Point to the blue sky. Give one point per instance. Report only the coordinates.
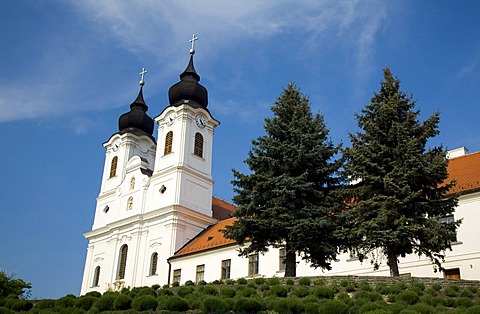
(69, 69)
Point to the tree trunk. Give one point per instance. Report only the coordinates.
(393, 264)
(290, 262)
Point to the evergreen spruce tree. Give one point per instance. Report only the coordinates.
(287, 200)
(400, 190)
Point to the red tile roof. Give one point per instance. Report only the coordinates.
(465, 170)
(222, 209)
(209, 239)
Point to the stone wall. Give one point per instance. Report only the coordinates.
(373, 280)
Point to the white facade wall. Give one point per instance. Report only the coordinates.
(156, 213)
(465, 255)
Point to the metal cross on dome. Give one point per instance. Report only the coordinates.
(194, 38)
(142, 74)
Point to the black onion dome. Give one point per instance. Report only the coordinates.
(137, 118)
(188, 89)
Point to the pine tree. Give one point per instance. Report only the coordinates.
(400, 191)
(287, 200)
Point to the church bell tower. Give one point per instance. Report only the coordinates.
(183, 163)
(155, 195)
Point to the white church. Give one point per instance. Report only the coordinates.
(156, 221)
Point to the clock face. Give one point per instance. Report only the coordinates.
(171, 118)
(200, 122)
(116, 145)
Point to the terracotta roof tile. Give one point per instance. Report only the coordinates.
(465, 170)
(209, 239)
(222, 209)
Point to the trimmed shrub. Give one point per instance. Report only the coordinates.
(122, 302)
(248, 292)
(350, 287)
(417, 286)
(466, 293)
(288, 305)
(175, 284)
(343, 296)
(344, 282)
(324, 292)
(217, 282)
(464, 302)
(85, 302)
(436, 287)
(189, 283)
(319, 282)
(429, 300)
(422, 309)
(397, 307)
(379, 311)
(431, 291)
(252, 284)
(368, 295)
(290, 282)
(305, 281)
(184, 291)
(364, 286)
(230, 282)
(242, 281)
(202, 283)
(175, 303)
(105, 303)
(155, 287)
(332, 306)
(473, 290)
(228, 292)
(145, 303)
(214, 305)
(259, 280)
(45, 304)
(448, 302)
(369, 307)
(164, 291)
(279, 291)
(397, 288)
(382, 288)
(265, 287)
(301, 292)
(194, 300)
(473, 310)
(274, 281)
(66, 301)
(208, 289)
(147, 291)
(408, 296)
(450, 291)
(248, 306)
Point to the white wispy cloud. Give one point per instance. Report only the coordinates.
(158, 30)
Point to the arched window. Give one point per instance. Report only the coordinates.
(198, 149)
(132, 183)
(168, 143)
(113, 167)
(130, 203)
(122, 262)
(153, 264)
(96, 277)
